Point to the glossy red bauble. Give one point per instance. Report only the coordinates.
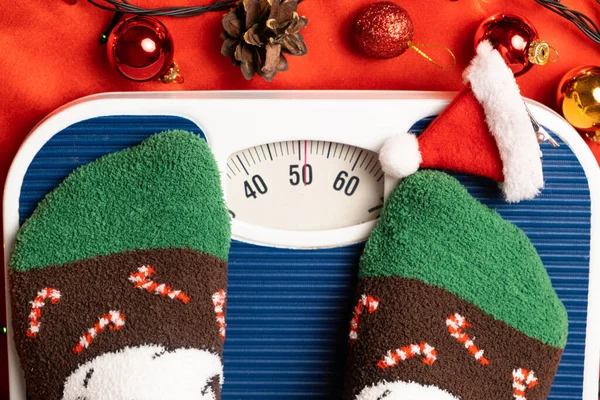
(512, 36)
(140, 48)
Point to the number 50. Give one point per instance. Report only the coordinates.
(307, 175)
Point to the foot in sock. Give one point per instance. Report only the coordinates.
(463, 307)
(118, 279)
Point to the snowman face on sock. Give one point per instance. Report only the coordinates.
(119, 331)
(147, 373)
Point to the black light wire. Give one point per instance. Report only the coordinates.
(582, 21)
(123, 6)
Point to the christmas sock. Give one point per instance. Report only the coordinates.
(453, 302)
(118, 278)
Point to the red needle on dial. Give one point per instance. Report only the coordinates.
(304, 168)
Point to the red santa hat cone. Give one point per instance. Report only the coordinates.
(484, 131)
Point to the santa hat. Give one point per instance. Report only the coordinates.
(484, 131)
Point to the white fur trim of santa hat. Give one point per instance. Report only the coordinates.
(494, 86)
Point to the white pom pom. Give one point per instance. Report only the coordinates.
(400, 155)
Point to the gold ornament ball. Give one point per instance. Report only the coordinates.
(578, 97)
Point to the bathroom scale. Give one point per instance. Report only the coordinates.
(304, 188)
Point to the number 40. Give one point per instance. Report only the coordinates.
(257, 185)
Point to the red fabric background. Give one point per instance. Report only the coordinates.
(50, 56)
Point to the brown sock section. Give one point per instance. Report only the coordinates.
(91, 288)
(411, 312)
(216, 387)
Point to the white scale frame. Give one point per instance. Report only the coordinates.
(360, 118)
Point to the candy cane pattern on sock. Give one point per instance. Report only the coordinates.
(455, 324)
(523, 379)
(115, 321)
(140, 280)
(219, 299)
(393, 357)
(36, 309)
(365, 301)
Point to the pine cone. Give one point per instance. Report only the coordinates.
(259, 32)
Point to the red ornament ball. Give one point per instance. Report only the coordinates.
(512, 36)
(383, 30)
(140, 48)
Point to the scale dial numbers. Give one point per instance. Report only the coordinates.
(304, 185)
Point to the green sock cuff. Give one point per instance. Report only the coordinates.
(433, 230)
(164, 193)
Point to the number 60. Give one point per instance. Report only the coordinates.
(348, 186)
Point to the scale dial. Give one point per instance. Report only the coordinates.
(304, 185)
